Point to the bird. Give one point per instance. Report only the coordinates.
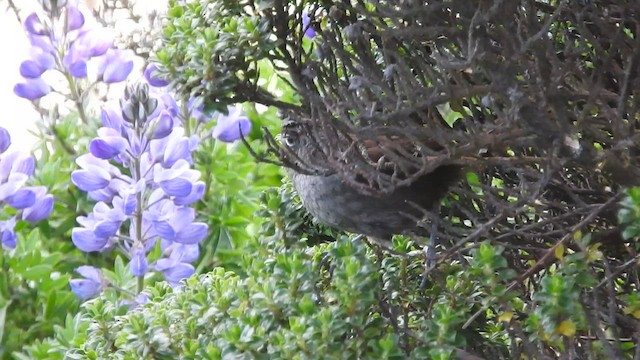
(341, 206)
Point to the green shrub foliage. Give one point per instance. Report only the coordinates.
(538, 257)
(346, 300)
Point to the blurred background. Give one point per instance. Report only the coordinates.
(18, 116)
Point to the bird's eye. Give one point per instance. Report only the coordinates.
(291, 138)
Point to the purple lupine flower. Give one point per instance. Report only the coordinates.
(42, 206)
(196, 111)
(108, 144)
(90, 43)
(75, 18)
(152, 79)
(174, 271)
(175, 223)
(233, 126)
(93, 175)
(91, 285)
(5, 140)
(162, 126)
(16, 162)
(150, 191)
(7, 235)
(309, 31)
(32, 203)
(141, 299)
(168, 103)
(187, 253)
(21, 198)
(127, 200)
(43, 43)
(196, 193)
(32, 89)
(100, 225)
(138, 262)
(111, 115)
(178, 180)
(95, 42)
(172, 148)
(75, 61)
(12, 184)
(66, 42)
(138, 300)
(115, 66)
(15, 169)
(40, 62)
(34, 26)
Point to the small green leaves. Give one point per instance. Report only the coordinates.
(629, 214)
(211, 50)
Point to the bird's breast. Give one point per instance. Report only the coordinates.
(336, 204)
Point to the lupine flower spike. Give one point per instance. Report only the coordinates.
(151, 195)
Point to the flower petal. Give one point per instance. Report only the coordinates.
(232, 127)
(5, 139)
(90, 272)
(40, 210)
(107, 147)
(177, 187)
(13, 184)
(111, 115)
(192, 234)
(116, 65)
(185, 252)
(94, 42)
(23, 164)
(197, 191)
(149, 74)
(7, 234)
(23, 198)
(32, 89)
(106, 229)
(138, 264)
(163, 125)
(177, 148)
(178, 272)
(90, 179)
(85, 289)
(164, 230)
(196, 110)
(31, 69)
(33, 25)
(307, 26)
(85, 240)
(78, 69)
(129, 203)
(75, 19)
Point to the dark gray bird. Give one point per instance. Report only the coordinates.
(339, 205)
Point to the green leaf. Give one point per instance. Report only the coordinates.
(37, 272)
(4, 305)
(235, 221)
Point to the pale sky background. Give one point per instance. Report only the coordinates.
(16, 114)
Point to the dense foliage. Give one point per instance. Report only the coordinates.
(341, 300)
(536, 100)
(168, 240)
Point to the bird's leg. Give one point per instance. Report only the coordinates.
(324, 263)
(430, 261)
(381, 244)
(432, 243)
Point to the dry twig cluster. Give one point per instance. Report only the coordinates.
(538, 98)
(544, 98)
